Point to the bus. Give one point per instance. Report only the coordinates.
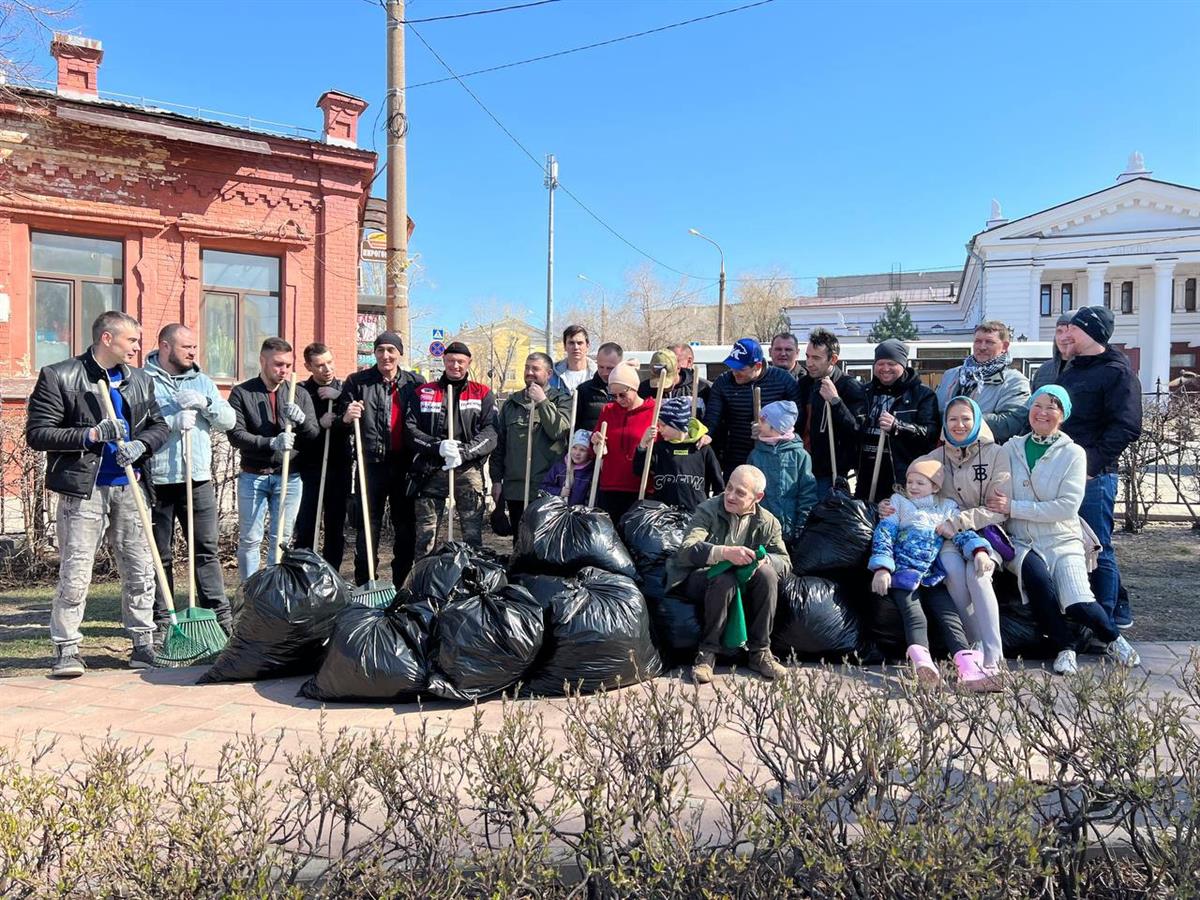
(930, 359)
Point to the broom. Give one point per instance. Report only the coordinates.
(373, 593)
(178, 649)
(197, 623)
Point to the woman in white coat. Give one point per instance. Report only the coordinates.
(1049, 473)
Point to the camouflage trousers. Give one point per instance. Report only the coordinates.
(468, 503)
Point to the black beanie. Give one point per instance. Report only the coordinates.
(460, 348)
(1095, 321)
(893, 349)
(389, 337)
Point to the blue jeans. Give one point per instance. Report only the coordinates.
(1099, 498)
(258, 497)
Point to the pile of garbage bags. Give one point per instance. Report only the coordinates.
(557, 539)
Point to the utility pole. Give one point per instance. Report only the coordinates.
(551, 183)
(397, 179)
(721, 304)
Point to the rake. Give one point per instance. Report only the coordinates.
(178, 649)
(195, 622)
(373, 593)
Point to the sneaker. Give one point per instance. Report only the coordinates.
(142, 657)
(702, 668)
(927, 673)
(1065, 664)
(1123, 615)
(765, 664)
(1122, 651)
(68, 665)
(971, 674)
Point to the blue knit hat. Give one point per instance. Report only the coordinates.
(676, 412)
(781, 415)
(1059, 393)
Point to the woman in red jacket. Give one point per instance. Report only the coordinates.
(628, 417)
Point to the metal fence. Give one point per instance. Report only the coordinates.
(1160, 471)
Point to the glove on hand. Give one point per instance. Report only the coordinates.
(293, 413)
(185, 420)
(110, 430)
(189, 399)
(285, 440)
(128, 454)
(328, 392)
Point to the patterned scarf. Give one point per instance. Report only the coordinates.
(973, 373)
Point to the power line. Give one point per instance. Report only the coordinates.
(616, 40)
(541, 167)
(478, 12)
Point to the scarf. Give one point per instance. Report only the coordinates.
(973, 373)
(1044, 439)
(786, 436)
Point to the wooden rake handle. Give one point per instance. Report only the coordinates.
(277, 552)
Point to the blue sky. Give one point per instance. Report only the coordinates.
(818, 138)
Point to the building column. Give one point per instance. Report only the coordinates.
(1032, 327)
(1156, 355)
(1096, 273)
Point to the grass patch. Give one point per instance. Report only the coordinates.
(25, 647)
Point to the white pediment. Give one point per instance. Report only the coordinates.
(1138, 206)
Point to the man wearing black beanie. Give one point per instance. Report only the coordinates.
(1106, 417)
(473, 410)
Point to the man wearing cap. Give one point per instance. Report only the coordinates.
(901, 408)
(729, 415)
(575, 368)
(987, 377)
(1106, 418)
(667, 363)
(551, 410)
(627, 418)
(592, 396)
(785, 354)
(829, 398)
(378, 397)
(472, 408)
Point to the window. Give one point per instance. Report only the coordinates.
(1189, 295)
(1108, 295)
(1066, 291)
(1183, 360)
(239, 310)
(1127, 298)
(1047, 301)
(75, 279)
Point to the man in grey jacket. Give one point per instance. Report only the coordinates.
(191, 405)
(985, 376)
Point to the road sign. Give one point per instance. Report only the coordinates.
(436, 349)
(439, 334)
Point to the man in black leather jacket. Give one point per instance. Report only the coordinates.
(86, 457)
(378, 398)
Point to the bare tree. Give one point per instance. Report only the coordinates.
(496, 342)
(25, 26)
(760, 301)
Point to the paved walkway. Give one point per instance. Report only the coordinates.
(167, 709)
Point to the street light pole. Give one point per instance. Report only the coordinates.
(720, 287)
(603, 305)
(551, 183)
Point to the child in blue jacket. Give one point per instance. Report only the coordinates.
(904, 558)
(791, 486)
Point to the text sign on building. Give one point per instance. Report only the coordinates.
(374, 245)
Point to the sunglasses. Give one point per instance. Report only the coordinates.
(616, 395)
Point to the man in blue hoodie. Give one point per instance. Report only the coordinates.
(192, 405)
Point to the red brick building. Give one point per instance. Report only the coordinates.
(239, 233)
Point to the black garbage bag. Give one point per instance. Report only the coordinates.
(1020, 632)
(455, 570)
(882, 628)
(484, 643)
(813, 620)
(653, 531)
(376, 654)
(556, 539)
(675, 626)
(598, 633)
(836, 536)
(285, 622)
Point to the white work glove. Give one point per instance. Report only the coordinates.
(189, 399)
(328, 392)
(128, 454)
(448, 449)
(293, 413)
(285, 440)
(185, 419)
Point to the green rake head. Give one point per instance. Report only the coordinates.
(196, 638)
(179, 650)
(374, 593)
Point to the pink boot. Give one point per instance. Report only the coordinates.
(927, 673)
(971, 674)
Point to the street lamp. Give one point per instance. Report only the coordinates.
(603, 304)
(720, 288)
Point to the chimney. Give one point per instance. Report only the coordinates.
(996, 218)
(341, 117)
(78, 62)
(1135, 168)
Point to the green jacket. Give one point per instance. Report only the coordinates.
(551, 434)
(710, 526)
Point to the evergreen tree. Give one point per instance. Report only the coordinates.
(894, 323)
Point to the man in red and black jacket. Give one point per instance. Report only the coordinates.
(378, 397)
(427, 420)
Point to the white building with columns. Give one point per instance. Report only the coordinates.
(1133, 247)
